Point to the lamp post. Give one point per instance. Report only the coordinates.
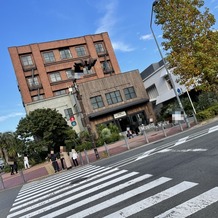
(165, 65)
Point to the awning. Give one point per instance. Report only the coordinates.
(118, 108)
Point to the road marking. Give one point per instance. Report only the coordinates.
(87, 199)
(61, 182)
(182, 140)
(152, 200)
(54, 191)
(192, 206)
(183, 150)
(213, 129)
(146, 154)
(71, 191)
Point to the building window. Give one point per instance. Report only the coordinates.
(55, 77)
(113, 97)
(97, 102)
(33, 81)
(27, 60)
(68, 113)
(106, 66)
(37, 97)
(49, 57)
(129, 93)
(80, 51)
(60, 92)
(73, 75)
(99, 48)
(152, 92)
(69, 74)
(65, 53)
(168, 81)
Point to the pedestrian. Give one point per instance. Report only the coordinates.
(15, 165)
(129, 133)
(62, 157)
(10, 162)
(66, 157)
(26, 162)
(53, 159)
(74, 156)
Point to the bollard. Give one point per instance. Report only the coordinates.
(195, 119)
(2, 182)
(126, 142)
(164, 132)
(22, 175)
(81, 158)
(106, 148)
(96, 153)
(87, 158)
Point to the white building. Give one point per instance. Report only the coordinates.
(158, 84)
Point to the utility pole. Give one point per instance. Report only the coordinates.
(86, 122)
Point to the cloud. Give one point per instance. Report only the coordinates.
(146, 37)
(12, 115)
(107, 22)
(121, 46)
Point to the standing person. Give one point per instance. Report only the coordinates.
(26, 162)
(53, 159)
(15, 165)
(66, 157)
(74, 156)
(62, 157)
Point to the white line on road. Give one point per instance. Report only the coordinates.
(70, 196)
(120, 198)
(182, 140)
(152, 200)
(193, 205)
(213, 129)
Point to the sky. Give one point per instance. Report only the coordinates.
(25, 22)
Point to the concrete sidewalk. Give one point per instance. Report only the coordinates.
(45, 169)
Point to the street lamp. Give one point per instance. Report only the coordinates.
(165, 65)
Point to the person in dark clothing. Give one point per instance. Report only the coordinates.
(12, 168)
(53, 159)
(15, 166)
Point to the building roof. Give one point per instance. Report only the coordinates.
(151, 69)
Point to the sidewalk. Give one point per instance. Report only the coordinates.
(45, 169)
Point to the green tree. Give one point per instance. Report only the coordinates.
(9, 145)
(43, 129)
(191, 43)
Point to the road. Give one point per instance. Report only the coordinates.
(175, 177)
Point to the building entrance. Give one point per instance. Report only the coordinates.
(133, 121)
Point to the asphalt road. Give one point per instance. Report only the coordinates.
(175, 177)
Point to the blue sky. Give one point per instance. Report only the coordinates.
(33, 21)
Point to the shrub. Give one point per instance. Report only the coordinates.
(206, 114)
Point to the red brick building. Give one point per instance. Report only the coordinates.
(45, 72)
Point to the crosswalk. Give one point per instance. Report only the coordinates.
(110, 192)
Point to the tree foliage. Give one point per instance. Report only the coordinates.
(191, 43)
(43, 129)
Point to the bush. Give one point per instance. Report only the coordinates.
(84, 145)
(208, 113)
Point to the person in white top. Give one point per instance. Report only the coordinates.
(26, 162)
(74, 156)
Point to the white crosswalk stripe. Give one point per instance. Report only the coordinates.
(91, 190)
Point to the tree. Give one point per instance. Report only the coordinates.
(191, 43)
(9, 145)
(43, 129)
